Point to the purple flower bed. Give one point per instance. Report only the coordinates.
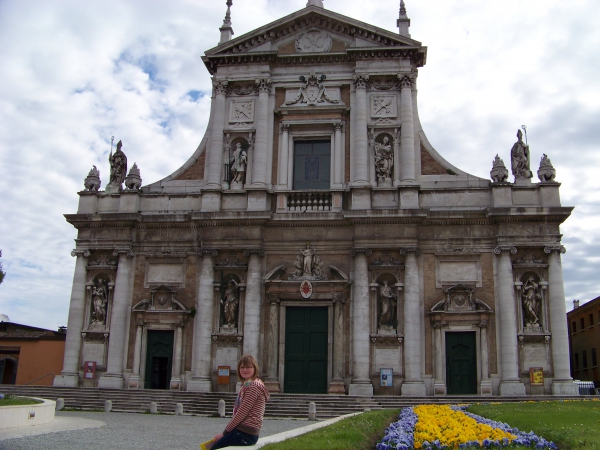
(399, 435)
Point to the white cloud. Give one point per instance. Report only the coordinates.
(75, 73)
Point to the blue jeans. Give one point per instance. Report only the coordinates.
(235, 437)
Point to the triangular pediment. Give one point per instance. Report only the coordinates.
(314, 30)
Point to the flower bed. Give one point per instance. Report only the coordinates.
(451, 427)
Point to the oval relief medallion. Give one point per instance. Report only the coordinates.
(313, 41)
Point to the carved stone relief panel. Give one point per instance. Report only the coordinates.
(451, 270)
(241, 111)
(313, 40)
(312, 92)
(383, 106)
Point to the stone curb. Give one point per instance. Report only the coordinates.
(293, 433)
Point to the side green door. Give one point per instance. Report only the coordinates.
(159, 359)
(306, 350)
(461, 363)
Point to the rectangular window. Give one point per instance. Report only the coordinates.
(582, 324)
(584, 359)
(312, 162)
(576, 361)
(591, 319)
(574, 327)
(594, 358)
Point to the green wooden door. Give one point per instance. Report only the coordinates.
(159, 359)
(461, 363)
(306, 350)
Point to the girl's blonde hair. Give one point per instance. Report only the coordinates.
(247, 360)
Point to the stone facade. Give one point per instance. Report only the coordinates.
(338, 205)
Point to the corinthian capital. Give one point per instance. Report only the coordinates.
(80, 252)
(220, 87)
(554, 248)
(264, 85)
(360, 81)
(406, 81)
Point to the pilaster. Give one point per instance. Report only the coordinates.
(253, 302)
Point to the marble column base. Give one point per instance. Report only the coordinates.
(485, 388)
(338, 387)
(365, 389)
(134, 382)
(413, 389)
(111, 381)
(564, 387)
(176, 384)
(272, 385)
(199, 385)
(511, 388)
(66, 380)
(439, 388)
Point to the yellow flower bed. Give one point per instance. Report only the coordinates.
(452, 428)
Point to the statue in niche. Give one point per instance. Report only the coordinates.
(238, 164)
(384, 160)
(389, 301)
(99, 302)
(118, 166)
(531, 302)
(230, 302)
(520, 158)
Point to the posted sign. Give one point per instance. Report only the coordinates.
(536, 376)
(89, 370)
(223, 374)
(386, 377)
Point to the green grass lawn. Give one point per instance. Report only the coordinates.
(355, 433)
(13, 400)
(570, 424)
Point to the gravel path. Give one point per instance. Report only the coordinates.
(139, 431)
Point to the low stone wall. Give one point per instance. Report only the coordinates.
(21, 415)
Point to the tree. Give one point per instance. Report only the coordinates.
(2, 273)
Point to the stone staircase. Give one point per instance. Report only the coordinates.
(206, 404)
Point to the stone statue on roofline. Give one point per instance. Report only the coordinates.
(133, 180)
(118, 169)
(520, 159)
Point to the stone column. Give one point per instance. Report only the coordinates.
(338, 155)
(337, 385)
(215, 172)
(510, 383)
(134, 380)
(397, 160)
(361, 147)
(439, 386)
(562, 383)
(407, 133)
(259, 159)
(176, 382)
(361, 380)
(486, 383)
(69, 376)
(252, 305)
(272, 381)
(413, 382)
(283, 156)
(203, 325)
(113, 378)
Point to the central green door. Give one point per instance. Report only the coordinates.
(306, 350)
(159, 359)
(461, 363)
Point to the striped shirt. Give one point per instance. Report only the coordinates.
(248, 416)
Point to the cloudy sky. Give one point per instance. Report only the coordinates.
(76, 73)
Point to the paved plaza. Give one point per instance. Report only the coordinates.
(127, 432)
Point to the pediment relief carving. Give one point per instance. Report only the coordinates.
(162, 299)
(460, 298)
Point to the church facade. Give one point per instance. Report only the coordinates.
(316, 228)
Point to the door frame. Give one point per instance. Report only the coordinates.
(459, 329)
(282, 321)
(144, 350)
